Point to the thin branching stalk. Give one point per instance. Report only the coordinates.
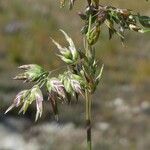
(88, 119)
(88, 95)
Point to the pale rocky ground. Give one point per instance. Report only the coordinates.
(129, 130)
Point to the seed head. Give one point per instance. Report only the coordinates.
(69, 55)
(38, 97)
(18, 100)
(32, 73)
(55, 85)
(26, 97)
(93, 35)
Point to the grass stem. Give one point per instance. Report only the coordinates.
(88, 119)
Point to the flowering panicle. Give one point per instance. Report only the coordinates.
(38, 97)
(25, 98)
(73, 83)
(32, 72)
(55, 85)
(116, 20)
(55, 90)
(66, 85)
(18, 100)
(82, 74)
(62, 88)
(69, 55)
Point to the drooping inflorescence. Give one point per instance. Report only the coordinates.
(82, 72)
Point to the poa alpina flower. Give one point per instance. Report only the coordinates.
(55, 85)
(76, 86)
(72, 83)
(18, 100)
(93, 35)
(38, 97)
(69, 55)
(82, 73)
(32, 72)
(26, 97)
